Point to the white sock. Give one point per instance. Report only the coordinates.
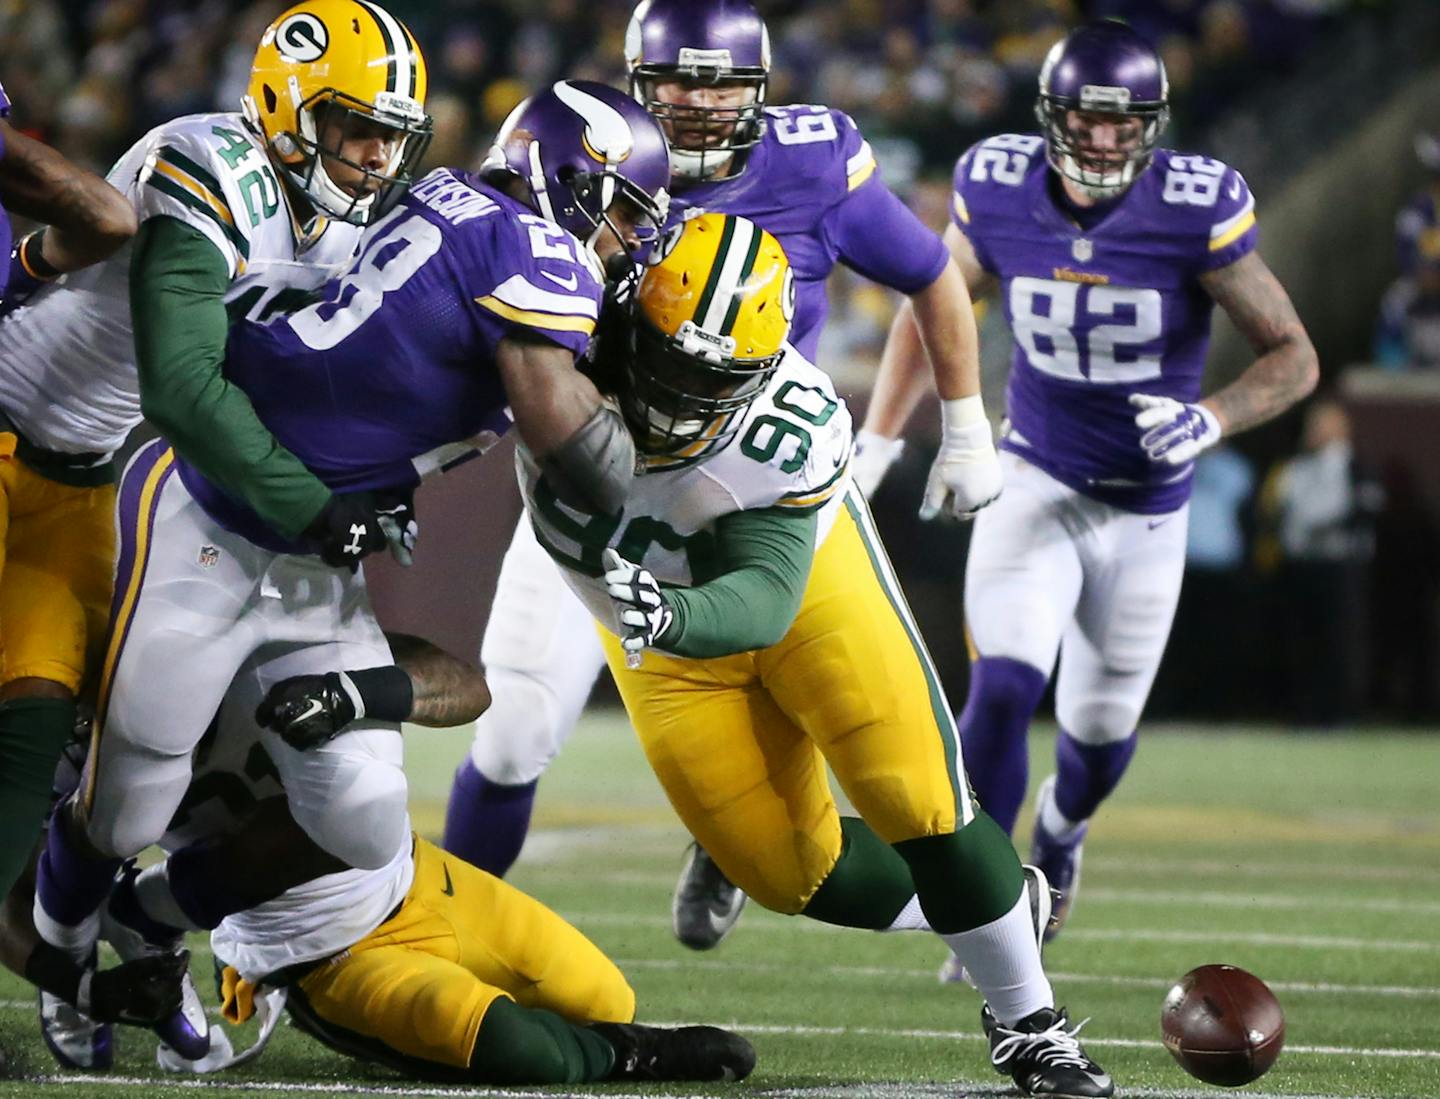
(911, 918)
(1003, 961)
(152, 890)
(77, 940)
(1057, 824)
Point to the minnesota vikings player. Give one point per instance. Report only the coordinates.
(1108, 254)
(808, 176)
(759, 639)
(464, 299)
(85, 220)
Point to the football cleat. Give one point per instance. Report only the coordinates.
(707, 904)
(74, 1039)
(1060, 862)
(1042, 901)
(681, 1053)
(1043, 1055)
(187, 1031)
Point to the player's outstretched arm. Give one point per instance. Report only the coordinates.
(581, 444)
(86, 218)
(1287, 367)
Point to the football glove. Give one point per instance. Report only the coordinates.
(141, 993)
(1174, 433)
(644, 613)
(347, 529)
(395, 512)
(872, 458)
(965, 476)
(308, 710)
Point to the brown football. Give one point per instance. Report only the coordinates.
(1223, 1025)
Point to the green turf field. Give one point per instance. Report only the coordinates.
(1311, 860)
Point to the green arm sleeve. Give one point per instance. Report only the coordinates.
(764, 564)
(178, 282)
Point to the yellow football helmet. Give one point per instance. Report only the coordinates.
(328, 71)
(709, 320)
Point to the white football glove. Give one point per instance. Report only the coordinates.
(644, 614)
(966, 474)
(1174, 432)
(872, 458)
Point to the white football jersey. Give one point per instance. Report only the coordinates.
(67, 359)
(791, 451)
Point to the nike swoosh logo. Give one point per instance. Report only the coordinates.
(314, 708)
(1153, 523)
(571, 284)
(449, 889)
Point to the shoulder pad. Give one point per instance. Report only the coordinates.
(1209, 199)
(539, 277)
(990, 170)
(818, 143)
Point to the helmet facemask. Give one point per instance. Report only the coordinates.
(331, 112)
(592, 200)
(704, 140)
(684, 395)
(1100, 174)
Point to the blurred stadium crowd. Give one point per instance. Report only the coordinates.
(1335, 561)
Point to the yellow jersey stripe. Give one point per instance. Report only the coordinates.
(535, 319)
(1234, 233)
(145, 514)
(860, 175)
(196, 188)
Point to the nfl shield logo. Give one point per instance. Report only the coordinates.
(209, 557)
(1082, 249)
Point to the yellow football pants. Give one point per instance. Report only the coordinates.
(740, 743)
(421, 982)
(57, 564)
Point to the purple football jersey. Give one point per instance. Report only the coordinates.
(812, 182)
(397, 358)
(1104, 312)
(4, 217)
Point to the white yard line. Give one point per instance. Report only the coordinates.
(1326, 869)
(1214, 898)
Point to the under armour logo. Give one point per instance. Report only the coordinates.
(357, 532)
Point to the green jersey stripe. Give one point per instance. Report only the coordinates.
(200, 174)
(175, 191)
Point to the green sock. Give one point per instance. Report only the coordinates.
(965, 879)
(33, 733)
(525, 1045)
(869, 885)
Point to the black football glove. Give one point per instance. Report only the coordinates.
(347, 529)
(307, 710)
(140, 993)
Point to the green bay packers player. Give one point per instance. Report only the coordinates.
(239, 212)
(757, 633)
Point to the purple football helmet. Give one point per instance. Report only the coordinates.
(579, 146)
(1102, 68)
(701, 42)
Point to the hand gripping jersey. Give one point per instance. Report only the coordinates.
(792, 451)
(1103, 312)
(813, 183)
(397, 359)
(67, 360)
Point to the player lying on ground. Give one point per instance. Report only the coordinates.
(757, 634)
(807, 175)
(427, 965)
(1108, 254)
(451, 318)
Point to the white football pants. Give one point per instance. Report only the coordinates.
(1052, 571)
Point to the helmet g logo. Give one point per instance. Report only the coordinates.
(302, 37)
(787, 295)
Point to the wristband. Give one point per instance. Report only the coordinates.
(962, 412)
(385, 694)
(32, 258)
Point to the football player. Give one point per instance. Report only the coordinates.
(426, 964)
(757, 634)
(1108, 254)
(808, 176)
(85, 220)
(463, 300)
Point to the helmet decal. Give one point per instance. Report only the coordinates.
(607, 136)
(302, 37)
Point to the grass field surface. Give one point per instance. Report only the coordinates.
(1313, 861)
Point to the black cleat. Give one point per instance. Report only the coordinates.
(1043, 1057)
(707, 904)
(683, 1053)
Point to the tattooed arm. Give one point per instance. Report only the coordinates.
(87, 218)
(1286, 369)
(448, 691)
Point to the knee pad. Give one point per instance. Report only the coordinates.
(522, 731)
(1098, 721)
(366, 823)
